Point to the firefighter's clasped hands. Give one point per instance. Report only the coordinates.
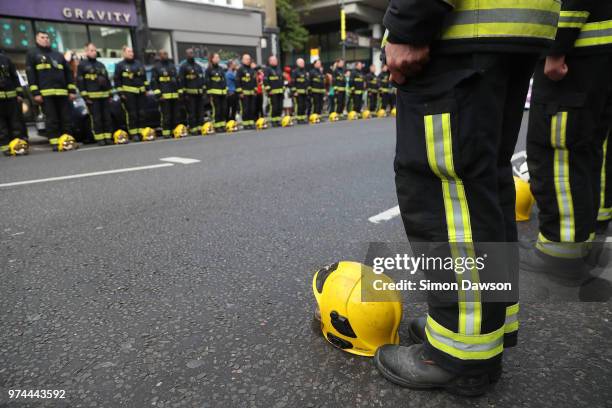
(405, 60)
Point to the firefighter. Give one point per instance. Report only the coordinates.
(357, 86)
(385, 88)
(275, 88)
(567, 129)
(246, 87)
(339, 86)
(604, 214)
(191, 76)
(95, 88)
(317, 87)
(217, 92)
(166, 87)
(52, 86)
(459, 112)
(299, 88)
(11, 95)
(131, 83)
(374, 89)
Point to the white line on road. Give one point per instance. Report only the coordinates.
(179, 160)
(385, 215)
(82, 175)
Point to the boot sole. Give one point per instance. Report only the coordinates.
(474, 391)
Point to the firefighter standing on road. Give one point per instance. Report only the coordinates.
(130, 81)
(357, 84)
(246, 87)
(52, 85)
(317, 88)
(459, 114)
(274, 87)
(217, 92)
(567, 129)
(11, 94)
(166, 87)
(374, 89)
(385, 88)
(95, 87)
(191, 76)
(299, 88)
(339, 84)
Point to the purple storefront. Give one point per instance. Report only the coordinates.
(70, 23)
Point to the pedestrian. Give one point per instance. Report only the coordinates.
(217, 92)
(259, 96)
(299, 88)
(52, 86)
(357, 86)
(246, 87)
(373, 86)
(191, 77)
(288, 99)
(95, 88)
(167, 89)
(567, 129)
(274, 87)
(131, 83)
(11, 96)
(339, 86)
(232, 96)
(459, 112)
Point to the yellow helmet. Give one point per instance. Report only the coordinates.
(393, 112)
(333, 117)
(66, 142)
(180, 131)
(261, 124)
(352, 115)
(381, 113)
(231, 126)
(120, 137)
(16, 147)
(147, 134)
(314, 118)
(524, 199)
(208, 129)
(365, 114)
(348, 323)
(286, 121)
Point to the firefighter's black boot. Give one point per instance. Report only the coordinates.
(569, 270)
(416, 329)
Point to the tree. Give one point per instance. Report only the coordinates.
(293, 35)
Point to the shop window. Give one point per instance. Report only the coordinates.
(64, 37)
(15, 34)
(160, 40)
(110, 40)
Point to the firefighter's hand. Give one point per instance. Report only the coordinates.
(38, 99)
(88, 101)
(19, 100)
(405, 60)
(555, 68)
(71, 97)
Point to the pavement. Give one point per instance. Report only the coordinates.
(187, 283)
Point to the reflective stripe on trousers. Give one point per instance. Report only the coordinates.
(605, 213)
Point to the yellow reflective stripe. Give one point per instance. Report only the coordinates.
(170, 95)
(95, 95)
(499, 29)
(43, 66)
(476, 5)
(192, 91)
(54, 92)
(54, 140)
(603, 211)
(215, 91)
(72, 86)
(8, 94)
(511, 323)
(276, 91)
(595, 33)
(33, 87)
(567, 250)
(131, 89)
(464, 347)
(573, 19)
(558, 135)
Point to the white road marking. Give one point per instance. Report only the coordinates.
(82, 175)
(179, 160)
(385, 215)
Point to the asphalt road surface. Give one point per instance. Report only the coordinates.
(187, 283)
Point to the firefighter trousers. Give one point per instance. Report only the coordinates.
(457, 125)
(100, 119)
(316, 103)
(170, 115)
(567, 130)
(276, 108)
(340, 97)
(373, 101)
(218, 105)
(301, 105)
(11, 121)
(194, 105)
(247, 109)
(385, 101)
(356, 101)
(57, 117)
(133, 105)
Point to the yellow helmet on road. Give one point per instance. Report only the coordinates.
(66, 143)
(365, 114)
(16, 147)
(393, 112)
(180, 131)
(333, 117)
(347, 322)
(286, 121)
(524, 199)
(120, 137)
(208, 129)
(381, 113)
(147, 134)
(231, 126)
(314, 118)
(352, 115)
(261, 124)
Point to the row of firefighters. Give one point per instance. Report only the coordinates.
(179, 90)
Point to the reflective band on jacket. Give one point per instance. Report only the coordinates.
(502, 18)
(276, 91)
(217, 92)
(558, 134)
(191, 91)
(8, 94)
(596, 33)
(464, 347)
(54, 92)
(511, 323)
(132, 89)
(43, 66)
(438, 139)
(573, 19)
(96, 95)
(170, 95)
